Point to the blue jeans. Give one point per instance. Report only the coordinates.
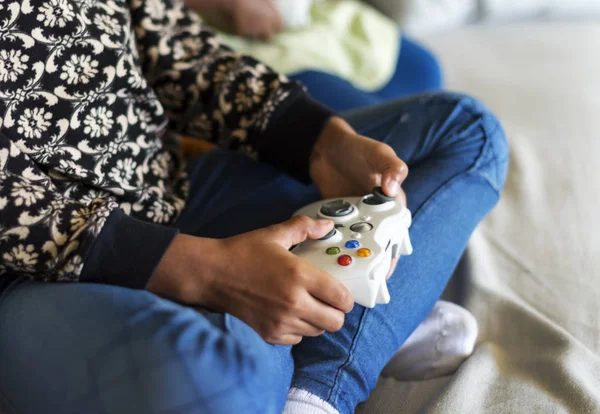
(85, 348)
(417, 70)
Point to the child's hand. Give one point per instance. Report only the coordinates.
(255, 278)
(257, 19)
(347, 164)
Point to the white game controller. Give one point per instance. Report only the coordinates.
(369, 231)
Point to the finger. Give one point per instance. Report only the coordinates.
(257, 34)
(244, 32)
(276, 21)
(265, 32)
(298, 229)
(392, 268)
(288, 339)
(329, 290)
(277, 26)
(401, 197)
(265, 35)
(321, 316)
(304, 328)
(392, 169)
(393, 176)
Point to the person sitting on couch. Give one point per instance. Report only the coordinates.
(262, 20)
(130, 282)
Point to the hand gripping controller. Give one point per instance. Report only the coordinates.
(369, 231)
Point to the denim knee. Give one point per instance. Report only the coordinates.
(493, 162)
(177, 362)
(482, 126)
(244, 379)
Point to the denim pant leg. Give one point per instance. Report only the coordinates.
(417, 71)
(97, 349)
(102, 349)
(458, 157)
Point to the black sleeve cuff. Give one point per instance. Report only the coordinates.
(292, 132)
(126, 252)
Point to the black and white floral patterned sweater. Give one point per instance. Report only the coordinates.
(92, 94)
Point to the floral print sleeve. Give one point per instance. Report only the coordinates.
(42, 234)
(213, 93)
(92, 96)
(46, 236)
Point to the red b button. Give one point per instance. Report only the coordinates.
(344, 260)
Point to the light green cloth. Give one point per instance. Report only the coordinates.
(347, 38)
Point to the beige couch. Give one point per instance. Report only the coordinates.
(533, 267)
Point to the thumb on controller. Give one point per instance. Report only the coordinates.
(299, 228)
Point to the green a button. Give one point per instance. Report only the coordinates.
(333, 250)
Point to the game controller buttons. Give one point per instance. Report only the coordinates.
(344, 260)
(367, 238)
(337, 208)
(361, 227)
(363, 253)
(332, 251)
(329, 235)
(352, 244)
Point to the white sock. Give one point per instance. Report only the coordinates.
(443, 341)
(439, 345)
(303, 402)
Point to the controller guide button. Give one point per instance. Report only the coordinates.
(361, 227)
(333, 251)
(337, 208)
(344, 260)
(352, 244)
(363, 253)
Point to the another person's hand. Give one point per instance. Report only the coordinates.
(257, 19)
(254, 277)
(345, 164)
